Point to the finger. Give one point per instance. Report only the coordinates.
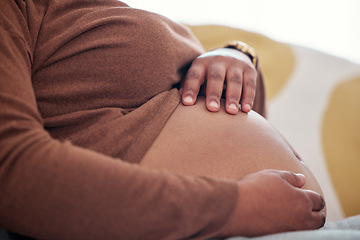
(233, 89)
(215, 83)
(317, 220)
(318, 202)
(249, 89)
(195, 77)
(295, 179)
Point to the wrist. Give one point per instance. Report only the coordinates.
(246, 49)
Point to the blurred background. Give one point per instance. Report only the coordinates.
(331, 26)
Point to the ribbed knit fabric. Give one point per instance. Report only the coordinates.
(85, 88)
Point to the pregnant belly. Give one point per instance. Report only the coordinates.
(200, 143)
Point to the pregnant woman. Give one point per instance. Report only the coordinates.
(112, 127)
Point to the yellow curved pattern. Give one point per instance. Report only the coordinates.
(341, 143)
(276, 59)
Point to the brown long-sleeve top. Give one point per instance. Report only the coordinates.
(85, 87)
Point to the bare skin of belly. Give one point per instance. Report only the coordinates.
(200, 143)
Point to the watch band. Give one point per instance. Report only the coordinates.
(243, 47)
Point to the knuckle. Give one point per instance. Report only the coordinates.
(193, 74)
(237, 79)
(250, 83)
(215, 75)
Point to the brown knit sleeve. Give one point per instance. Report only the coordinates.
(55, 190)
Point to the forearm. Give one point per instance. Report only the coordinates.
(48, 186)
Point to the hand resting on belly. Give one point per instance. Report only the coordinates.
(201, 143)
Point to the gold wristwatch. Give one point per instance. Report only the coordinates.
(244, 48)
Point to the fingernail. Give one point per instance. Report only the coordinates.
(247, 107)
(213, 104)
(233, 106)
(301, 176)
(188, 100)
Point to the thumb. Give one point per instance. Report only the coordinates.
(295, 179)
